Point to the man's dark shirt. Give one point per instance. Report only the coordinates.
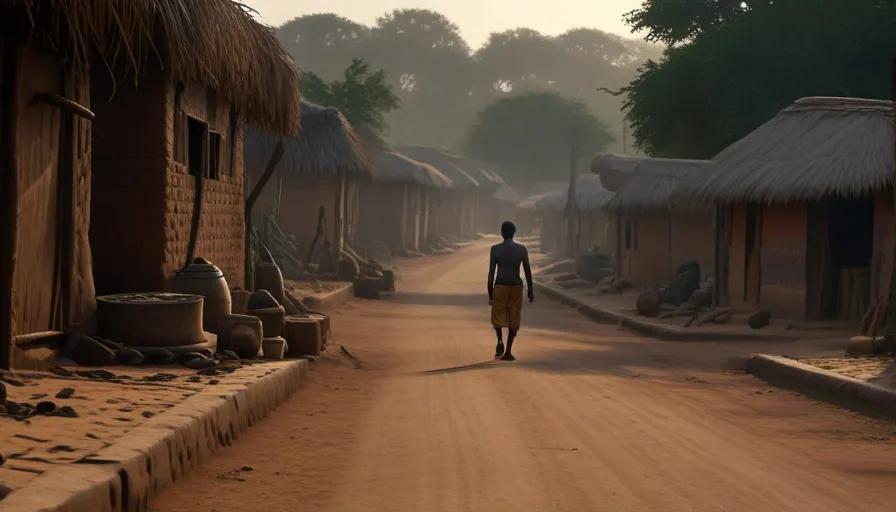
(507, 257)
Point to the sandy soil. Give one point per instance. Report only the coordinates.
(106, 411)
(877, 369)
(589, 418)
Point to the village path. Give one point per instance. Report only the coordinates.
(589, 418)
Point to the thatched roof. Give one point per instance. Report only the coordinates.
(326, 145)
(643, 183)
(464, 172)
(590, 195)
(211, 42)
(817, 147)
(387, 165)
(506, 194)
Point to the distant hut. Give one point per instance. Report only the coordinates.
(458, 207)
(593, 222)
(396, 205)
(654, 234)
(807, 209)
(119, 142)
(320, 169)
(506, 200)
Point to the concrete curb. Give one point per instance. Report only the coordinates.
(826, 386)
(647, 328)
(127, 475)
(332, 300)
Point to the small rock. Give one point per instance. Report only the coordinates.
(4, 491)
(12, 380)
(158, 356)
(2, 458)
(45, 407)
(214, 382)
(189, 356)
(147, 414)
(129, 357)
(759, 319)
(200, 363)
(228, 355)
(87, 351)
(62, 372)
(12, 408)
(194, 378)
(66, 411)
(649, 303)
(2, 394)
(38, 396)
(65, 393)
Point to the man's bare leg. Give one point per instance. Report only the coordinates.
(499, 349)
(511, 335)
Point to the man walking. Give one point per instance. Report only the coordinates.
(505, 293)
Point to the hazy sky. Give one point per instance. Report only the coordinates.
(476, 18)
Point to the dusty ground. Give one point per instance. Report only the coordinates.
(106, 411)
(588, 418)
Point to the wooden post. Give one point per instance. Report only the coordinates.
(571, 210)
(339, 220)
(10, 89)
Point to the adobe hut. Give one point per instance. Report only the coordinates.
(319, 169)
(458, 208)
(592, 222)
(395, 205)
(807, 209)
(654, 235)
(90, 185)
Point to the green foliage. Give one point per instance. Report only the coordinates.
(734, 76)
(442, 83)
(532, 135)
(363, 97)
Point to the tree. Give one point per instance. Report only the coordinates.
(674, 21)
(709, 92)
(531, 135)
(323, 43)
(363, 97)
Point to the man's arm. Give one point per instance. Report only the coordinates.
(528, 270)
(492, 264)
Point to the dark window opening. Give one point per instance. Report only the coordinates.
(197, 135)
(752, 222)
(214, 155)
(628, 234)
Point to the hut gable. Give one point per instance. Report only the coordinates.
(390, 166)
(211, 42)
(817, 147)
(650, 184)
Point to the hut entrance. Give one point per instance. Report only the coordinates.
(850, 245)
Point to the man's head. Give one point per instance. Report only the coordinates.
(508, 230)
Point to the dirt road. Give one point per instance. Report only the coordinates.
(589, 418)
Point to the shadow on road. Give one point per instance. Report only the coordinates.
(441, 299)
(492, 363)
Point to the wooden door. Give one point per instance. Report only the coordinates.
(752, 252)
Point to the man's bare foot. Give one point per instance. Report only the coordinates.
(508, 357)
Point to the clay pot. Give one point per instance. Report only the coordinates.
(229, 323)
(274, 348)
(203, 278)
(239, 301)
(268, 277)
(366, 287)
(303, 336)
(271, 320)
(245, 341)
(167, 320)
(261, 299)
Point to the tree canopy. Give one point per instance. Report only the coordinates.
(733, 67)
(442, 83)
(363, 97)
(532, 135)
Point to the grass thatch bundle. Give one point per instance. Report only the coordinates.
(650, 184)
(818, 147)
(210, 42)
(464, 172)
(590, 195)
(325, 146)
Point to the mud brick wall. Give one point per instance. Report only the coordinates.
(222, 226)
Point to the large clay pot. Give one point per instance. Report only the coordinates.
(208, 281)
(268, 277)
(303, 336)
(271, 320)
(228, 326)
(167, 320)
